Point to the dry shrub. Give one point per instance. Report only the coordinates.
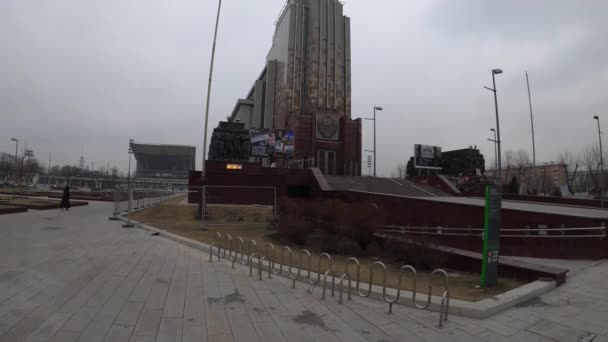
(340, 226)
(360, 221)
(296, 231)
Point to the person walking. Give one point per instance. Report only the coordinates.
(65, 199)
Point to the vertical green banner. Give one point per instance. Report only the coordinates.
(491, 236)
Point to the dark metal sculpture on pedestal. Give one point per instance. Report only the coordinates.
(230, 142)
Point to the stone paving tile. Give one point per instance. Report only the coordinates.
(119, 333)
(148, 323)
(94, 281)
(63, 336)
(194, 333)
(170, 329)
(521, 336)
(557, 331)
(129, 314)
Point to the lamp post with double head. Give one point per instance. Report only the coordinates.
(599, 133)
(494, 73)
(374, 120)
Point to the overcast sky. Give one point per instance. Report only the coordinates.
(82, 77)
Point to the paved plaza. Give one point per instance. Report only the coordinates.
(76, 276)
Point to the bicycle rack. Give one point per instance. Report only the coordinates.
(214, 244)
(283, 250)
(333, 283)
(371, 277)
(252, 247)
(218, 240)
(396, 299)
(300, 266)
(260, 262)
(349, 261)
(314, 283)
(445, 297)
(227, 246)
(237, 245)
(345, 275)
(251, 256)
(270, 259)
(236, 250)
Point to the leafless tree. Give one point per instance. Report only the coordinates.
(6, 166)
(516, 160)
(400, 171)
(114, 172)
(591, 162)
(522, 163)
(573, 162)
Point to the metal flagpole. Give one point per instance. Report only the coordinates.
(532, 125)
(217, 21)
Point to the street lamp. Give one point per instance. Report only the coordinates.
(374, 151)
(217, 21)
(599, 133)
(494, 73)
(131, 142)
(16, 148)
(495, 153)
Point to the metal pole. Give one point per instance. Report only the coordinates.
(16, 165)
(203, 205)
(532, 125)
(495, 152)
(375, 142)
(599, 133)
(129, 172)
(497, 132)
(217, 21)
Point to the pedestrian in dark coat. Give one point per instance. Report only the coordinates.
(65, 199)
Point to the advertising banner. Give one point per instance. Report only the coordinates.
(266, 142)
(427, 157)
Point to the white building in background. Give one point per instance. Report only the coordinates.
(542, 179)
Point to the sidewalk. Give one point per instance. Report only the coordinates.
(76, 276)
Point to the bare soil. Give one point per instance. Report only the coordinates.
(253, 223)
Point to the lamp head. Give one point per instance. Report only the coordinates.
(14, 139)
(378, 108)
(496, 71)
(596, 117)
(492, 129)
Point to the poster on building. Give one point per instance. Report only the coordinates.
(427, 157)
(266, 142)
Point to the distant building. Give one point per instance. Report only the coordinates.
(463, 162)
(544, 178)
(305, 86)
(163, 161)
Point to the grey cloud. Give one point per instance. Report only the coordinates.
(83, 76)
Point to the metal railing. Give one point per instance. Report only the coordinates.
(224, 247)
(538, 232)
(129, 199)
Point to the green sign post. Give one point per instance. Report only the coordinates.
(491, 236)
